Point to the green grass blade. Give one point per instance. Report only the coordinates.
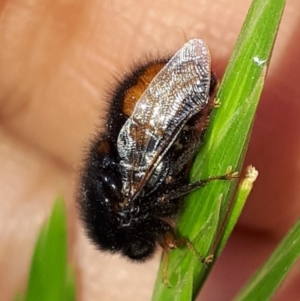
(49, 272)
(267, 280)
(185, 289)
(225, 145)
(241, 196)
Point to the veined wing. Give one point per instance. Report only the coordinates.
(179, 90)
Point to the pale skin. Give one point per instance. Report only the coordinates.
(57, 59)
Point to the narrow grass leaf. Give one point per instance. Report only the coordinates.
(49, 269)
(243, 191)
(225, 143)
(264, 284)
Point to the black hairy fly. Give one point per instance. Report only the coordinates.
(136, 170)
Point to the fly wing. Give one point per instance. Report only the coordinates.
(179, 90)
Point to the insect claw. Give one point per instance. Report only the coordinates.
(232, 175)
(216, 103)
(208, 259)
